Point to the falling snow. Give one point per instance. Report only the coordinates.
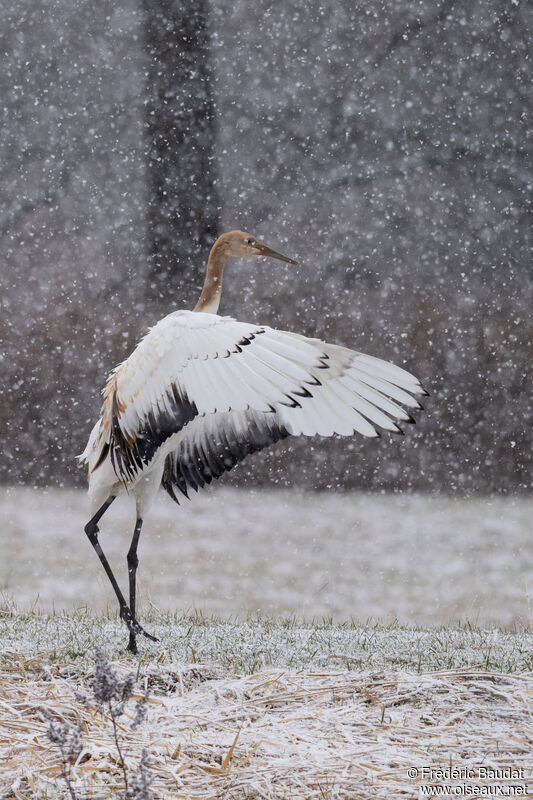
(382, 145)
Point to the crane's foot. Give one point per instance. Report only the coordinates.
(134, 628)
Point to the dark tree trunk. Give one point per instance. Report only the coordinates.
(180, 124)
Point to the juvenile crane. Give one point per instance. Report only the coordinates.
(200, 392)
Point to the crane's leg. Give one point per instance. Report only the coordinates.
(133, 562)
(91, 529)
(101, 511)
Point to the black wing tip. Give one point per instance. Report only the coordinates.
(293, 403)
(303, 392)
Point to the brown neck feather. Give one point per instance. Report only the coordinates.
(212, 288)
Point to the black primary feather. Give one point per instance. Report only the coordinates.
(214, 444)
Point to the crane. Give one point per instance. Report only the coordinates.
(200, 392)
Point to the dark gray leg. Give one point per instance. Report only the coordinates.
(100, 513)
(133, 562)
(91, 529)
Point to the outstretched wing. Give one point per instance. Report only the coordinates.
(354, 393)
(193, 365)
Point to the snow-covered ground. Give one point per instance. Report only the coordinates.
(273, 735)
(265, 709)
(421, 559)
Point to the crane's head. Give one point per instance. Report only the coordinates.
(244, 245)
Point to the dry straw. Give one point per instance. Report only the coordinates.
(270, 735)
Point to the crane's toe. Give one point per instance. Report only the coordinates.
(133, 625)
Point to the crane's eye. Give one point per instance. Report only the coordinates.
(249, 241)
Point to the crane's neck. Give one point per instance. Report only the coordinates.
(212, 288)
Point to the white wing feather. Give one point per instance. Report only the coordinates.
(194, 364)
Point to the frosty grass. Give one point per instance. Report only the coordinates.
(265, 708)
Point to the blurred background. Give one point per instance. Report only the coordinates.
(383, 144)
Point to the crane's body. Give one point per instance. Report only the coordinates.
(200, 392)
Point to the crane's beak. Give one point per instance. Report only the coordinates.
(263, 250)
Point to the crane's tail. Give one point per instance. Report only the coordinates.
(95, 449)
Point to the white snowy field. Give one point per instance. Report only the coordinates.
(271, 706)
(423, 560)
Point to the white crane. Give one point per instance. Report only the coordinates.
(200, 392)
